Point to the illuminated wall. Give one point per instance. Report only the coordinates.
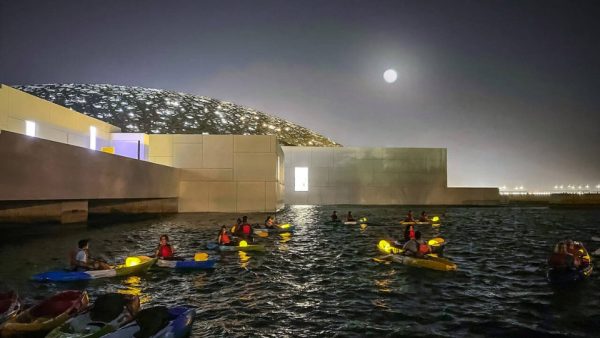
(375, 176)
(223, 173)
(50, 121)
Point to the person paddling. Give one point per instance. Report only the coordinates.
(246, 229)
(409, 217)
(270, 222)
(164, 249)
(224, 238)
(236, 228)
(334, 216)
(409, 232)
(560, 258)
(82, 260)
(424, 217)
(349, 217)
(416, 247)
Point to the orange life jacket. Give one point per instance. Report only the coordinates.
(423, 249)
(225, 238)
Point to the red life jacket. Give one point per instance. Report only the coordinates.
(225, 239)
(423, 249)
(165, 251)
(246, 229)
(411, 233)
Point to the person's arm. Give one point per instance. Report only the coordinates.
(157, 251)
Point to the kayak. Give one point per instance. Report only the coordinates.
(417, 223)
(248, 247)
(186, 264)
(9, 305)
(338, 222)
(430, 261)
(133, 265)
(436, 247)
(289, 228)
(555, 276)
(109, 312)
(47, 314)
(158, 321)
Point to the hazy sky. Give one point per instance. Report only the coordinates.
(509, 87)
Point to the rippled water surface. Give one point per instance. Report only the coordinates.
(323, 281)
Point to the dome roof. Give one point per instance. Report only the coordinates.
(156, 111)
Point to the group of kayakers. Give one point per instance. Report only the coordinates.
(568, 254)
(349, 217)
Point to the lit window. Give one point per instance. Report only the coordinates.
(301, 178)
(29, 128)
(93, 138)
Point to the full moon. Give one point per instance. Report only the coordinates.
(390, 76)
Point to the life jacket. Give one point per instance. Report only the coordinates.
(165, 251)
(423, 249)
(246, 229)
(411, 232)
(225, 238)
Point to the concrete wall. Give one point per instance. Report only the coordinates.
(36, 169)
(375, 176)
(223, 173)
(53, 122)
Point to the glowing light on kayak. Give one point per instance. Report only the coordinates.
(200, 256)
(435, 219)
(243, 244)
(385, 246)
(284, 226)
(132, 261)
(364, 219)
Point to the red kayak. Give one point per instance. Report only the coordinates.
(9, 305)
(46, 315)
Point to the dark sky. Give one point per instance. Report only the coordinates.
(509, 87)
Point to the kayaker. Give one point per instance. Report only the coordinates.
(349, 217)
(560, 258)
(409, 232)
(246, 229)
(270, 222)
(83, 260)
(409, 217)
(576, 251)
(416, 247)
(235, 229)
(164, 250)
(424, 217)
(334, 216)
(224, 238)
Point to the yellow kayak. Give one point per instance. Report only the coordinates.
(430, 261)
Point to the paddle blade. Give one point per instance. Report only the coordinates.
(200, 256)
(262, 234)
(436, 241)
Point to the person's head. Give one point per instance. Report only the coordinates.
(417, 235)
(83, 244)
(223, 228)
(410, 212)
(164, 239)
(349, 212)
(423, 213)
(562, 247)
(245, 219)
(570, 244)
(335, 212)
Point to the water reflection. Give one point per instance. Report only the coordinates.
(244, 259)
(133, 286)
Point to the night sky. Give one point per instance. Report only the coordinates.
(509, 87)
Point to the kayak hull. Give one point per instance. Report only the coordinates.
(73, 276)
(250, 247)
(430, 262)
(275, 230)
(46, 315)
(559, 277)
(187, 265)
(82, 326)
(9, 305)
(179, 326)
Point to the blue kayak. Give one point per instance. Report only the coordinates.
(189, 264)
(180, 323)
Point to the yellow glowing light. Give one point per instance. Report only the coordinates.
(435, 218)
(243, 244)
(132, 261)
(384, 246)
(200, 256)
(364, 219)
(284, 226)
